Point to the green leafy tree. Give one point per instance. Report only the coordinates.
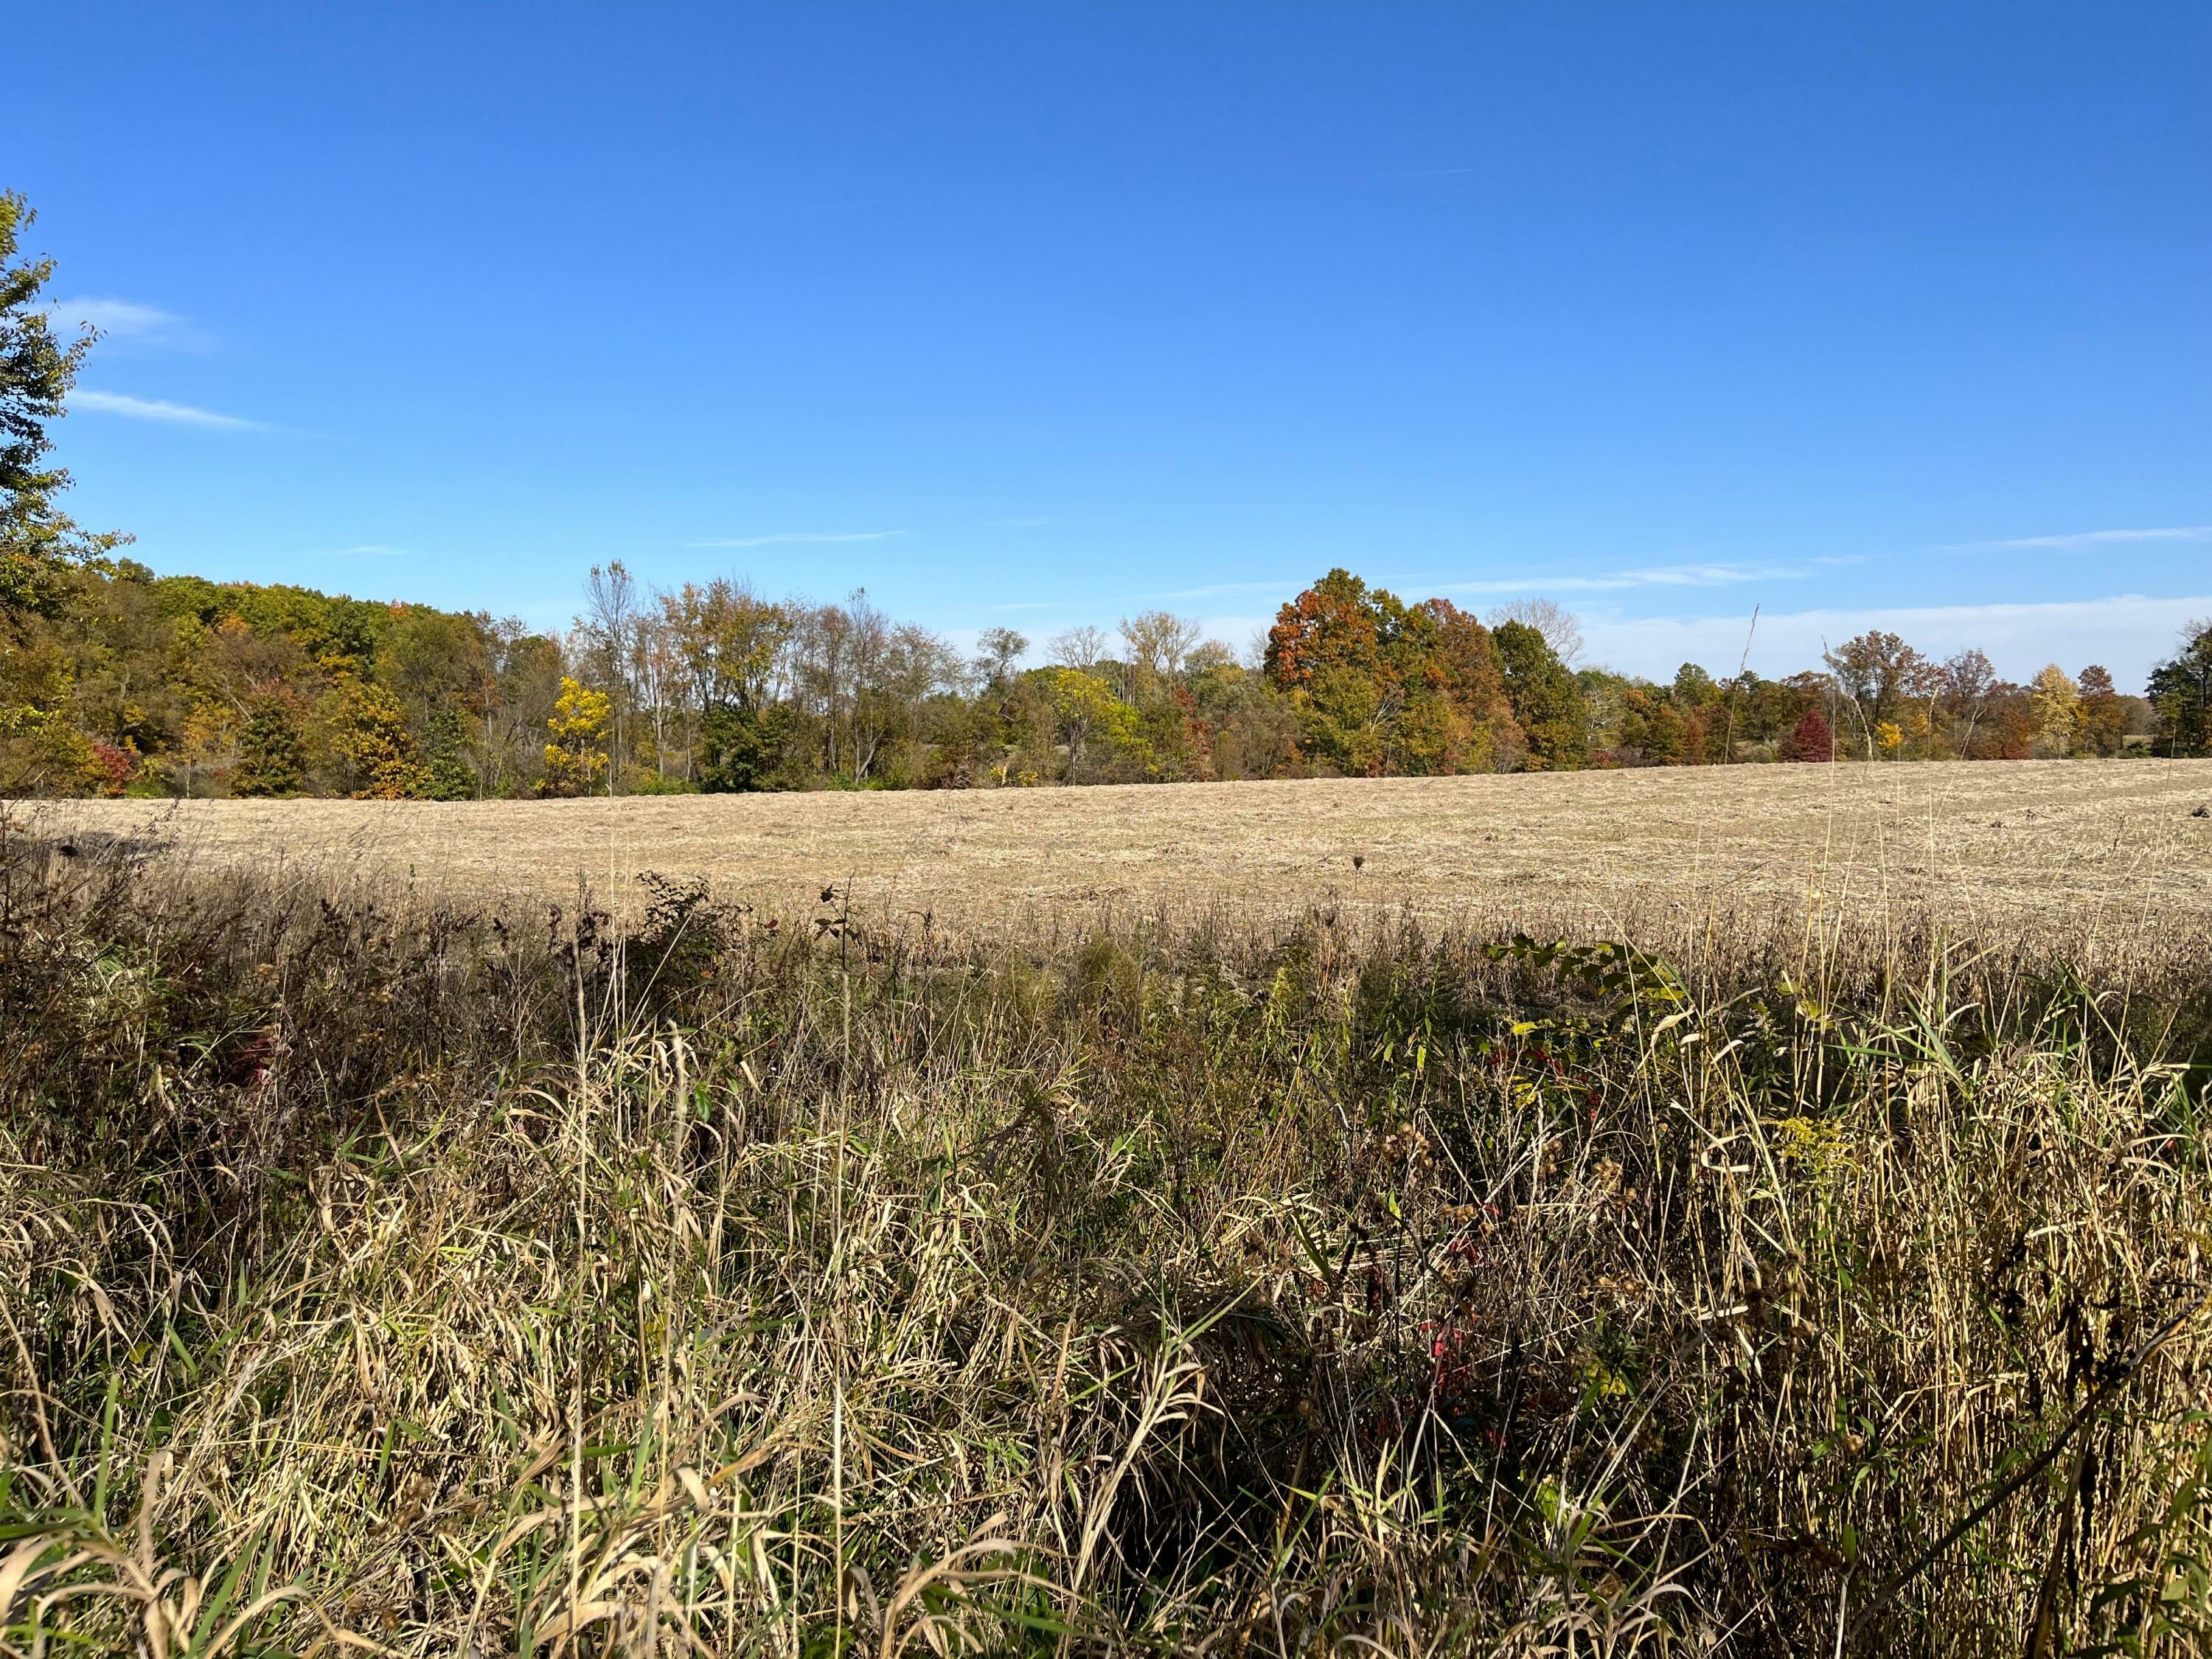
(2180, 693)
(42, 749)
(1693, 687)
(1256, 733)
(724, 640)
(1756, 710)
(742, 747)
(1097, 727)
(1652, 730)
(38, 545)
(997, 650)
(1545, 699)
(447, 774)
(271, 746)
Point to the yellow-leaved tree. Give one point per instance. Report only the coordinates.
(576, 759)
(1089, 714)
(2053, 696)
(370, 736)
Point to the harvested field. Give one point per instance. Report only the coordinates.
(2084, 855)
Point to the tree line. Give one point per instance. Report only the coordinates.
(118, 681)
(114, 680)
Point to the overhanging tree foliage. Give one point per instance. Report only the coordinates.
(2181, 691)
(38, 545)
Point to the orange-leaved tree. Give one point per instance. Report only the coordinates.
(1379, 687)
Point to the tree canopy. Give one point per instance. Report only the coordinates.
(2180, 690)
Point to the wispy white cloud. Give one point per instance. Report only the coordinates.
(128, 320)
(153, 409)
(2185, 532)
(2128, 633)
(799, 536)
(1613, 581)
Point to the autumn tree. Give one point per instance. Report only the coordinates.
(143, 682)
(2052, 699)
(1378, 686)
(1325, 653)
(1697, 697)
(1755, 710)
(2010, 726)
(576, 758)
(42, 752)
(1965, 683)
(2100, 719)
(1810, 739)
(370, 738)
(206, 742)
(1457, 716)
(1874, 675)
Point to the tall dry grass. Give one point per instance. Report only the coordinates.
(426, 1282)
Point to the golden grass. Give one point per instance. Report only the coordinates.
(2090, 858)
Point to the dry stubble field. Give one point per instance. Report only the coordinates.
(2086, 856)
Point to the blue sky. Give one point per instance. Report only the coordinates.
(1039, 314)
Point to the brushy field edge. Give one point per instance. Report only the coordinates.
(449, 1281)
